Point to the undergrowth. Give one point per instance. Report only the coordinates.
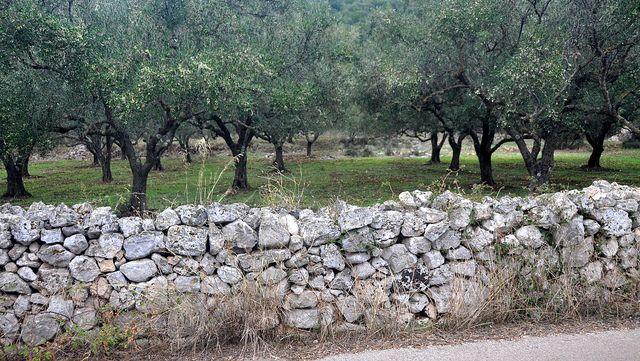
(250, 317)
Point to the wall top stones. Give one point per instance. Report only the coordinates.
(59, 265)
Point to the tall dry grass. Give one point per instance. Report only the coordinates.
(206, 189)
(507, 295)
(284, 190)
(246, 317)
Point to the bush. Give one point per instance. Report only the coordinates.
(351, 152)
(367, 152)
(632, 143)
(359, 152)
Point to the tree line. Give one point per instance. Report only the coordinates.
(536, 73)
(141, 75)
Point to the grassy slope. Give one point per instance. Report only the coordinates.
(362, 181)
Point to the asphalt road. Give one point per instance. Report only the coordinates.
(618, 345)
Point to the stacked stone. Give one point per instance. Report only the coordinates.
(60, 265)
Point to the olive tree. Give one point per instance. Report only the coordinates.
(20, 119)
(35, 93)
(533, 85)
(446, 51)
(284, 40)
(608, 39)
(332, 79)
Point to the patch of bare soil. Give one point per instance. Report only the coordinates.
(308, 346)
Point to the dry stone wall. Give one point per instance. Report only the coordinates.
(61, 265)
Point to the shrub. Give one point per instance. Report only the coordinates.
(631, 143)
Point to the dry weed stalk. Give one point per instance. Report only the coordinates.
(382, 315)
(283, 191)
(207, 182)
(508, 294)
(247, 317)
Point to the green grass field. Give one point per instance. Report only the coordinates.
(362, 181)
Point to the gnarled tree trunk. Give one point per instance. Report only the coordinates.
(539, 160)
(138, 197)
(158, 165)
(156, 144)
(309, 151)
(311, 139)
(25, 166)
(15, 178)
(183, 141)
(240, 178)
(105, 162)
(595, 156)
(123, 155)
(107, 176)
(484, 150)
(100, 145)
(456, 148)
(486, 168)
(239, 148)
(596, 141)
(436, 147)
(278, 162)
